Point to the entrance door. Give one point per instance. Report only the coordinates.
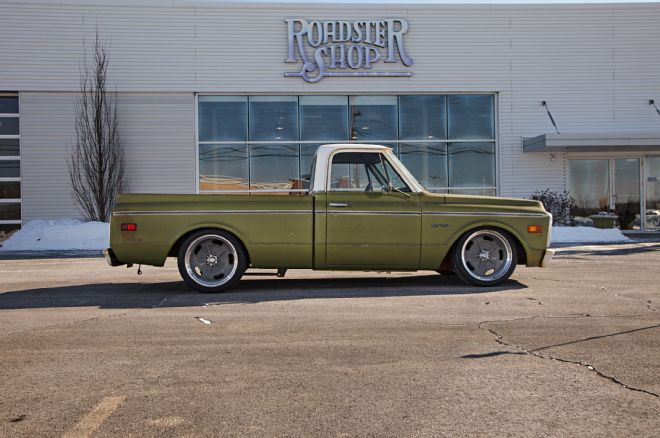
(652, 188)
(626, 195)
(608, 192)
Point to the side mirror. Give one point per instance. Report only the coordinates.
(390, 187)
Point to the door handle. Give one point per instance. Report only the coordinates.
(337, 204)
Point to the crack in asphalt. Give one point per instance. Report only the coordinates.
(499, 339)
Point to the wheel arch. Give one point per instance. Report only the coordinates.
(521, 249)
(174, 249)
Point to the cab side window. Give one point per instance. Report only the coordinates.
(363, 172)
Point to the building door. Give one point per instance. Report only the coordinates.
(652, 188)
(616, 191)
(626, 194)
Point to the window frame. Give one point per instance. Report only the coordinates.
(13, 158)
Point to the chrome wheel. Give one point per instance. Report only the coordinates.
(211, 260)
(486, 255)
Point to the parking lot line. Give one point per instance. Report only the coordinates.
(93, 420)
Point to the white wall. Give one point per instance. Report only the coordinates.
(157, 132)
(596, 65)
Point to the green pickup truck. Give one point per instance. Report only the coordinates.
(363, 211)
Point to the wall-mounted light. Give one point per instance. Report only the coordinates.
(652, 102)
(553, 157)
(552, 119)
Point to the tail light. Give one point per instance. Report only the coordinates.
(129, 227)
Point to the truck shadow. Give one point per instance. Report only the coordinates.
(249, 291)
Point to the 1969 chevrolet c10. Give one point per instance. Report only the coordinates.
(363, 211)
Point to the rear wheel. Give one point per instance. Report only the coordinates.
(485, 257)
(211, 261)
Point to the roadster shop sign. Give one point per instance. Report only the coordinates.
(346, 48)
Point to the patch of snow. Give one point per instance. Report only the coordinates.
(587, 235)
(60, 234)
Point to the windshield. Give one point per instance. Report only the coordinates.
(404, 170)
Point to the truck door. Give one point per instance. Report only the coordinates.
(373, 218)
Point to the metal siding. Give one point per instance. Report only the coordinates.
(595, 64)
(157, 134)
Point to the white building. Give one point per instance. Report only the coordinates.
(205, 103)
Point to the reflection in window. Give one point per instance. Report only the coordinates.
(589, 185)
(427, 162)
(223, 167)
(10, 190)
(323, 118)
(8, 104)
(222, 118)
(9, 147)
(10, 212)
(363, 172)
(274, 166)
(8, 125)
(373, 118)
(10, 169)
(423, 117)
(471, 164)
(471, 116)
(273, 118)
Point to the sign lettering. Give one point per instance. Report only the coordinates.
(338, 46)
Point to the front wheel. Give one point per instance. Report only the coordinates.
(485, 257)
(211, 261)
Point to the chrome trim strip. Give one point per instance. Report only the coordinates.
(182, 212)
(369, 213)
(497, 214)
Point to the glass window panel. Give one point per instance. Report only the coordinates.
(10, 212)
(274, 166)
(427, 162)
(9, 147)
(422, 117)
(223, 167)
(373, 118)
(471, 116)
(652, 179)
(222, 118)
(356, 171)
(10, 169)
(10, 189)
(8, 125)
(8, 104)
(273, 118)
(471, 164)
(324, 118)
(589, 185)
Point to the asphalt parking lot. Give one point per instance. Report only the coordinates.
(89, 350)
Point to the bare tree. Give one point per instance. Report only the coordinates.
(96, 162)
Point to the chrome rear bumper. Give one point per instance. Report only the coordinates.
(547, 257)
(111, 258)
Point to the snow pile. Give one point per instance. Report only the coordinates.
(61, 234)
(587, 235)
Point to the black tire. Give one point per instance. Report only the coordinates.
(218, 251)
(494, 248)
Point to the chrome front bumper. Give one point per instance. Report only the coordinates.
(547, 257)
